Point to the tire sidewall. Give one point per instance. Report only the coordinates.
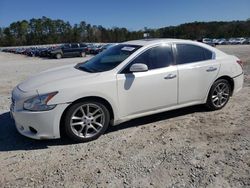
(69, 113)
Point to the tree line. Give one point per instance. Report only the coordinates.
(47, 31)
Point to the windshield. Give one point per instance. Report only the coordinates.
(109, 59)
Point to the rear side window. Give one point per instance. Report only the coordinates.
(154, 58)
(74, 46)
(83, 45)
(66, 46)
(187, 53)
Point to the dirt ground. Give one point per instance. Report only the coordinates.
(189, 147)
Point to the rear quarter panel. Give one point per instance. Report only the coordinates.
(229, 66)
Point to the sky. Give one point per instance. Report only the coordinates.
(132, 14)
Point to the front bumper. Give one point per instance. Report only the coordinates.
(39, 125)
(36, 125)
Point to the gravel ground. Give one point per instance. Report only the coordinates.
(190, 147)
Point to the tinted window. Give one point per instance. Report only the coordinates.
(187, 53)
(66, 46)
(83, 45)
(74, 46)
(156, 57)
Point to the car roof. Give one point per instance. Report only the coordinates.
(154, 41)
(145, 42)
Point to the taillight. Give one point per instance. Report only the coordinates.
(240, 63)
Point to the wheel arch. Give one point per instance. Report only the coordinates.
(226, 77)
(95, 98)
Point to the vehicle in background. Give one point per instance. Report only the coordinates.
(241, 40)
(208, 41)
(97, 48)
(107, 46)
(84, 46)
(223, 42)
(94, 49)
(68, 50)
(248, 41)
(215, 41)
(45, 52)
(232, 41)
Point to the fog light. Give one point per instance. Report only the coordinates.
(34, 131)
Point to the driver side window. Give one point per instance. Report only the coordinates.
(154, 58)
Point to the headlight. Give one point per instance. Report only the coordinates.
(39, 103)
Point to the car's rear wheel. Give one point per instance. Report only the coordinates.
(58, 56)
(86, 121)
(83, 54)
(219, 94)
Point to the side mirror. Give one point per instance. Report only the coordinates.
(138, 67)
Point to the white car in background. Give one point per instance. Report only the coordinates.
(130, 80)
(209, 41)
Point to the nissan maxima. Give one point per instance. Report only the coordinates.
(130, 80)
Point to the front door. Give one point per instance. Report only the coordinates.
(155, 89)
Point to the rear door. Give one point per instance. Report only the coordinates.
(75, 50)
(66, 50)
(197, 69)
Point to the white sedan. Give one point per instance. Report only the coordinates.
(129, 80)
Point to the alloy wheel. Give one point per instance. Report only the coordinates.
(87, 120)
(220, 95)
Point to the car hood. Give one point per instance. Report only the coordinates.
(55, 78)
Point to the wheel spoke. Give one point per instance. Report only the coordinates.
(98, 124)
(97, 110)
(77, 123)
(76, 118)
(91, 126)
(82, 110)
(97, 116)
(225, 94)
(217, 89)
(80, 131)
(214, 96)
(86, 131)
(215, 99)
(87, 109)
(223, 87)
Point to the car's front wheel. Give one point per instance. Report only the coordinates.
(58, 56)
(219, 94)
(86, 121)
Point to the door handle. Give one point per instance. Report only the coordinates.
(211, 69)
(170, 76)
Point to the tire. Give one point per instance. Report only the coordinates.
(83, 125)
(83, 54)
(58, 56)
(219, 94)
